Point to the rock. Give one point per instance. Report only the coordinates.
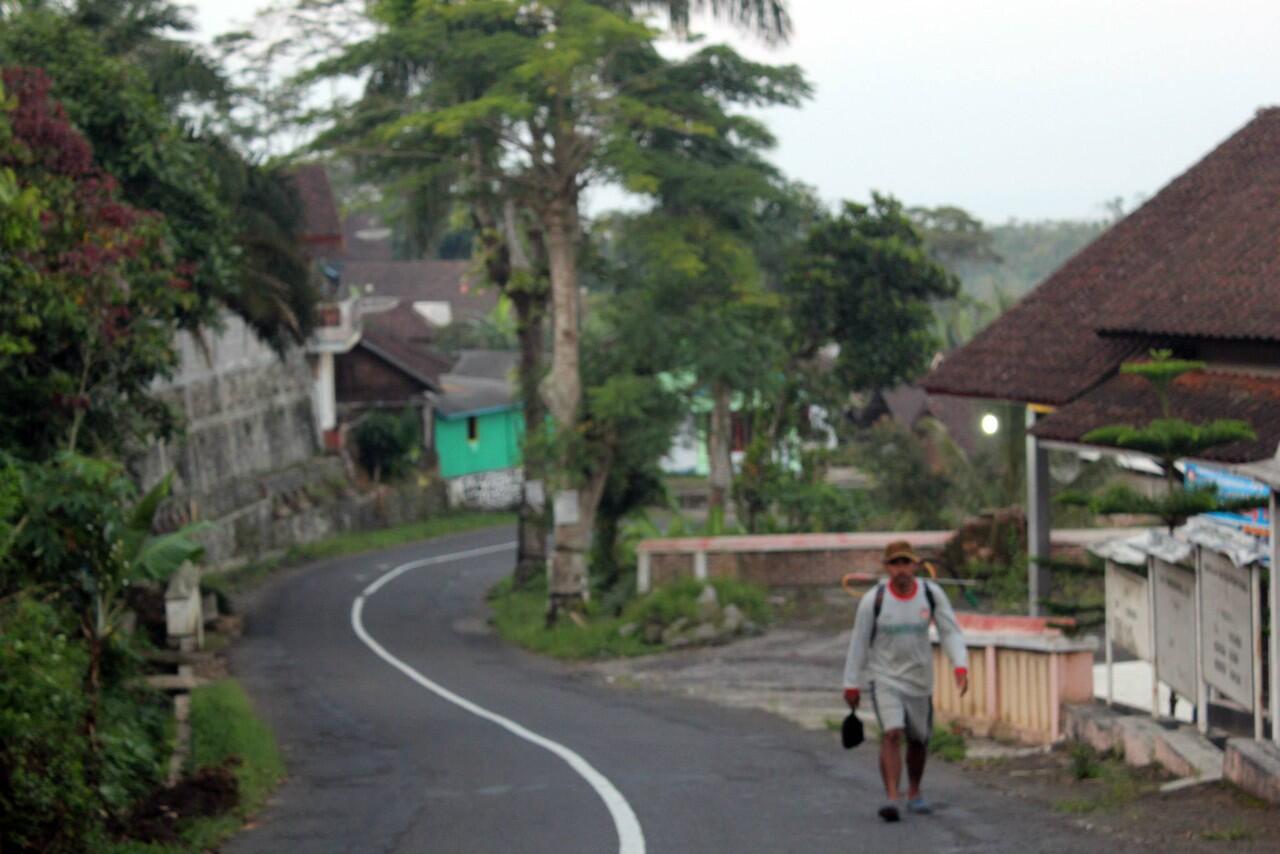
(673, 631)
(704, 633)
(627, 630)
(733, 619)
(652, 633)
(751, 629)
(708, 604)
(678, 642)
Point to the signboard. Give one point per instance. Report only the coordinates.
(1255, 522)
(534, 494)
(1227, 614)
(1128, 611)
(565, 507)
(1175, 598)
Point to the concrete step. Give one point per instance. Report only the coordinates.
(1255, 767)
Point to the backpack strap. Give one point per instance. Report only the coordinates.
(875, 613)
(879, 603)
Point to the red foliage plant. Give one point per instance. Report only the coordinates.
(42, 127)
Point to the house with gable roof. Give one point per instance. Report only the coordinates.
(1196, 269)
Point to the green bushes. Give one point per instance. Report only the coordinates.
(46, 802)
(679, 599)
(520, 617)
(388, 445)
(57, 783)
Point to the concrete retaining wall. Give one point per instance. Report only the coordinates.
(798, 560)
(1255, 767)
(248, 461)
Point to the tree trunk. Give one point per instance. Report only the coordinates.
(718, 439)
(572, 564)
(562, 391)
(531, 555)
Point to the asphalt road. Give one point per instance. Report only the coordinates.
(380, 762)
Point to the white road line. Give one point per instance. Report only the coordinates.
(630, 837)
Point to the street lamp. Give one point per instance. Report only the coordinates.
(990, 424)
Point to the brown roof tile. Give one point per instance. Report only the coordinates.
(1198, 397)
(366, 238)
(430, 281)
(401, 337)
(320, 226)
(1200, 258)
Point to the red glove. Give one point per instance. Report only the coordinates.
(852, 696)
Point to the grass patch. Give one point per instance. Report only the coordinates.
(1239, 833)
(520, 618)
(223, 726)
(354, 542)
(947, 745)
(1114, 783)
(1084, 763)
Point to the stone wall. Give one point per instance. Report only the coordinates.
(806, 560)
(249, 462)
(487, 490)
(819, 568)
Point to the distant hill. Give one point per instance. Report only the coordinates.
(996, 265)
(1029, 252)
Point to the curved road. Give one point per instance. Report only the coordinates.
(383, 758)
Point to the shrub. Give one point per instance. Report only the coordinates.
(388, 444)
(669, 602)
(48, 804)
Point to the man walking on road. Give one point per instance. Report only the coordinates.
(890, 657)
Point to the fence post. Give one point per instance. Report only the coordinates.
(1255, 630)
(1202, 701)
(1274, 687)
(644, 579)
(1151, 634)
(700, 565)
(993, 698)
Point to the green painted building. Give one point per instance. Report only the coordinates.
(479, 423)
(468, 442)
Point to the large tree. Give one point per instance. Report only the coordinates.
(92, 297)
(571, 93)
(864, 281)
(230, 223)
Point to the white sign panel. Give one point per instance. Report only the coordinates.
(1128, 611)
(1227, 656)
(534, 495)
(1175, 626)
(565, 508)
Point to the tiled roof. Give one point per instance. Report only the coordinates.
(1130, 399)
(1200, 258)
(469, 395)
(1216, 270)
(487, 364)
(482, 380)
(319, 210)
(425, 281)
(366, 238)
(401, 337)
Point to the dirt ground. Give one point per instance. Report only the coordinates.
(1126, 803)
(794, 671)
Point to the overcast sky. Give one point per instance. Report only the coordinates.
(1018, 108)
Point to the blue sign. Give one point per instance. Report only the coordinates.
(1230, 485)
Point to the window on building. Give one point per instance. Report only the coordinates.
(473, 429)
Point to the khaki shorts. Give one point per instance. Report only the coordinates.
(902, 711)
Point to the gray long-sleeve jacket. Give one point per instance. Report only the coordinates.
(901, 657)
